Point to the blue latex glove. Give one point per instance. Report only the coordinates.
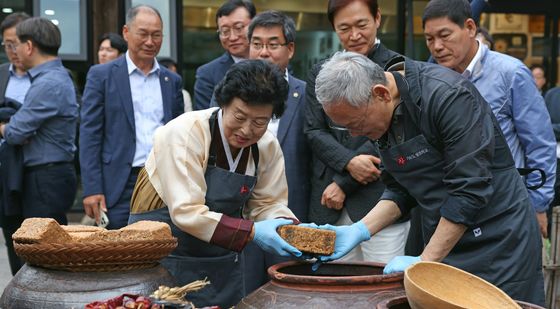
(347, 237)
(400, 263)
(267, 238)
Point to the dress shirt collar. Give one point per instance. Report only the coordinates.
(236, 59)
(45, 66)
(132, 67)
(471, 67)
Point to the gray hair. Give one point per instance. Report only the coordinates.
(348, 77)
(133, 11)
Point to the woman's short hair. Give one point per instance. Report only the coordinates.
(255, 82)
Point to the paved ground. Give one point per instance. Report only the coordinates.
(5, 273)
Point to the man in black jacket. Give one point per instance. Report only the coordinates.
(14, 83)
(344, 180)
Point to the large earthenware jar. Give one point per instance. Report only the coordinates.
(333, 285)
(41, 288)
(401, 302)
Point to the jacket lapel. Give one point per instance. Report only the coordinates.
(120, 72)
(166, 94)
(294, 95)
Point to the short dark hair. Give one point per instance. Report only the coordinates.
(256, 82)
(12, 20)
(133, 11)
(269, 19)
(42, 32)
(487, 36)
(167, 62)
(335, 5)
(537, 66)
(458, 11)
(117, 42)
(232, 5)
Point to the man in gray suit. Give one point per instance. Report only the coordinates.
(14, 83)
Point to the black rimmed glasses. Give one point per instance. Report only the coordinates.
(270, 46)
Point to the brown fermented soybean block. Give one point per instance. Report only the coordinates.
(308, 240)
(35, 230)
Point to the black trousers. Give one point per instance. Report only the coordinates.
(9, 225)
(49, 191)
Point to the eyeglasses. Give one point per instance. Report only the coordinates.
(144, 36)
(359, 124)
(237, 29)
(10, 46)
(269, 46)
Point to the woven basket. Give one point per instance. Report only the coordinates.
(96, 256)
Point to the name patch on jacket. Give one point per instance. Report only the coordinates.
(402, 160)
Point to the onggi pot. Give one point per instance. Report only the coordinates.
(334, 285)
(41, 288)
(400, 302)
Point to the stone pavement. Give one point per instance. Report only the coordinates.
(5, 273)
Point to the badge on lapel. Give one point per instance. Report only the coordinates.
(296, 94)
(401, 161)
(166, 78)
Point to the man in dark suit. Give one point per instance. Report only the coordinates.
(14, 83)
(232, 19)
(345, 182)
(272, 37)
(124, 102)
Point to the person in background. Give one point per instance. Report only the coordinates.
(508, 87)
(124, 102)
(111, 46)
(272, 37)
(442, 150)
(172, 66)
(232, 19)
(344, 178)
(485, 37)
(14, 84)
(540, 77)
(217, 177)
(46, 123)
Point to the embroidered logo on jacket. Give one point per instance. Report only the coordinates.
(244, 190)
(402, 160)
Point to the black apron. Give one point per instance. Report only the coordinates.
(194, 259)
(504, 246)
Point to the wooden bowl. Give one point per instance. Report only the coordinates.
(431, 285)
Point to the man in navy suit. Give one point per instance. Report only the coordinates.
(232, 19)
(272, 38)
(124, 102)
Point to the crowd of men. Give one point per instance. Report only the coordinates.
(338, 172)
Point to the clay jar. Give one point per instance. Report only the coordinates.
(401, 302)
(334, 285)
(36, 287)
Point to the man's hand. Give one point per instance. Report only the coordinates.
(333, 197)
(363, 169)
(400, 263)
(543, 223)
(92, 204)
(347, 237)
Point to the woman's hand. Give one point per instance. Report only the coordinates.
(267, 238)
(347, 237)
